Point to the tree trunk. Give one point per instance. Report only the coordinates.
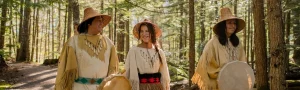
(102, 4)
(296, 29)
(245, 36)
(23, 52)
(3, 64)
(69, 26)
(52, 31)
(110, 26)
(11, 29)
(260, 44)
(115, 24)
(66, 24)
(181, 35)
(3, 23)
(277, 46)
(48, 35)
(287, 34)
(192, 40)
(37, 35)
(76, 12)
(249, 35)
(202, 15)
(235, 7)
(121, 39)
(251, 40)
(127, 35)
(33, 34)
(59, 29)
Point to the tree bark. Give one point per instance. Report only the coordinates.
(3, 64)
(33, 34)
(296, 28)
(76, 12)
(277, 46)
(48, 35)
(249, 35)
(110, 26)
(66, 24)
(11, 29)
(115, 23)
(202, 20)
(37, 35)
(192, 40)
(245, 36)
(69, 26)
(287, 34)
(3, 22)
(23, 52)
(127, 35)
(59, 29)
(235, 7)
(181, 35)
(121, 39)
(260, 49)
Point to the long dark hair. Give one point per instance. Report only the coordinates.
(83, 28)
(153, 38)
(221, 33)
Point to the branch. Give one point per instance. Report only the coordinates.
(173, 5)
(148, 9)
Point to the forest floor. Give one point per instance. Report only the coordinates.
(28, 76)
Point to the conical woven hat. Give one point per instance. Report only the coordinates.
(227, 15)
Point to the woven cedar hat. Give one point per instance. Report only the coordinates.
(157, 30)
(90, 13)
(227, 15)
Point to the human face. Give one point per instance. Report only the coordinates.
(145, 34)
(230, 27)
(96, 27)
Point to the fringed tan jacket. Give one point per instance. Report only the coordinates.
(80, 59)
(213, 58)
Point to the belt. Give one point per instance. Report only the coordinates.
(84, 80)
(150, 78)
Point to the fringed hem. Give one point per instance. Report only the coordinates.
(68, 79)
(134, 85)
(196, 79)
(151, 86)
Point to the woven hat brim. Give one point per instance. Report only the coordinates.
(240, 22)
(158, 31)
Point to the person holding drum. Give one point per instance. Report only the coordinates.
(146, 66)
(223, 48)
(87, 58)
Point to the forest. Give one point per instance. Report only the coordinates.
(33, 32)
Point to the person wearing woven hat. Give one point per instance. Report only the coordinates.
(145, 65)
(224, 47)
(88, 57)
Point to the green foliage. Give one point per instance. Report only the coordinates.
(178, 68)
(121, 67)
(4, 53)
(4, 85)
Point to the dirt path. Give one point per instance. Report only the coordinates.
(30, 76)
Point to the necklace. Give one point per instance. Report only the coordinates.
(231, 51)
(95, 48)
(148, 57)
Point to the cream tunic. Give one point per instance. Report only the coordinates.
(142, 60)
